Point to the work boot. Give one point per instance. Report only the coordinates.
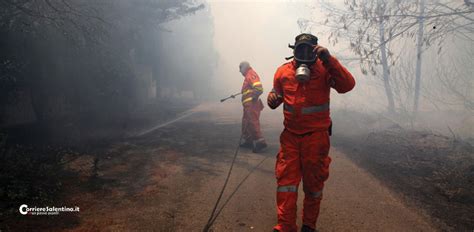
(306, 228)
(259, 146)
(247, 144)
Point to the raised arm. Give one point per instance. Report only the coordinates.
(339, 77)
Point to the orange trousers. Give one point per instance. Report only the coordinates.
(251, 121)
(301, 157)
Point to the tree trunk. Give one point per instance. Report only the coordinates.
(419, 47)
(386, 72)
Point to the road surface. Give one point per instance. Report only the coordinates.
(168, 180)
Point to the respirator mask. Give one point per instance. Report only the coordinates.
(304, 55)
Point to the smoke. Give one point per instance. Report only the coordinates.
(257, 32)
(260, 33)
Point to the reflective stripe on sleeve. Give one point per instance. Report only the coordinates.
(247, 91)
(246, 100)
(256, 83)
(288, 108)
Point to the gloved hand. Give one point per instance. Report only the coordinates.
(322, 53)
(274, 100)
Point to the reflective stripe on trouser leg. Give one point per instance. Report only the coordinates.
(286, 209)
(315, 168)
(248, 99)
(288, 174)
(288, 188)
(317, 194)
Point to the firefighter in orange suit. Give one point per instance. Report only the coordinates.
(303, 86)
(251, 91)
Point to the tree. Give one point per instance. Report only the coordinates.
(452, 82)
(375, 29)
(79, 52)
(447, 18)
(365, 26)
(419, 46)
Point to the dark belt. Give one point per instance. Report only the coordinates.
(309, 109)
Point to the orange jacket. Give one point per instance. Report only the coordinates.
(306, 106)
(251, 88)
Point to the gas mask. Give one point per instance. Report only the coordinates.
(302, 73)
(304, 55)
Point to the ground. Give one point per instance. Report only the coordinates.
(169, 178)
(431, 171)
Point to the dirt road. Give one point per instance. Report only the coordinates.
(169, 179)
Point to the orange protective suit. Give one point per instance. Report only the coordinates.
(305, 140)
(251, 91)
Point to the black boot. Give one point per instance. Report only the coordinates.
(306, 228)
(247, 144)
(259, 146)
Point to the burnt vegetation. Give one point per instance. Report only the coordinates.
(76, 74)
(431, 171)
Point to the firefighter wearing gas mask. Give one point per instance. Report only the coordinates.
(303, 86)
(251, 90)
